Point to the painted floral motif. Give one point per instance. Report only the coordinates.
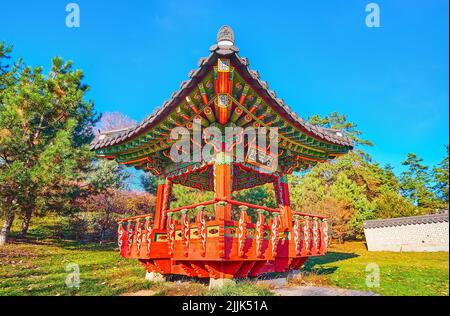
(186, 234)
(149, 229)
(259, 233)
(306, 233)
(203, 233)
(138, 235)
(315, 234)
(171, 233)
(296, 229)
(130, 235)
(275, 227)
(325, 235)
(242, 233)
(120, 236)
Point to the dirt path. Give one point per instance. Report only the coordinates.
(319, 291)
(140, 293)
(284, 290)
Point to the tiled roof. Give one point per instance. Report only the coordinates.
(195, 76)
(411, 220)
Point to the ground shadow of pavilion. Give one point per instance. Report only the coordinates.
(315, 264)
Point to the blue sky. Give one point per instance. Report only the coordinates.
(318, 56)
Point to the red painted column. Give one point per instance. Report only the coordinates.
(286, 218)
(223, 87)
(158, 220)
(222, 189)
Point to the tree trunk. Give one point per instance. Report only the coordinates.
(104, 227)
(6, 229)
(25, 223)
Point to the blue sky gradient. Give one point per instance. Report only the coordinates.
(318, 56)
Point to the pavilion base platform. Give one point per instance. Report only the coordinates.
(219, 283)
(154, 277)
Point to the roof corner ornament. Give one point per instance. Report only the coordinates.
(225, 36)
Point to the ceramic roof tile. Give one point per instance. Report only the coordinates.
(411, 220)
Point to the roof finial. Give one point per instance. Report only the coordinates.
(225, 36)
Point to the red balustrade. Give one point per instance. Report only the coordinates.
(187, 248)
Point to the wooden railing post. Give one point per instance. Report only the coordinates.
(259, 232)
(315, 236)
(306, 236)
(297, 233)
(138, 230)
(120, 236)
(242, 235)
(130, 235)
(274, 234)
(148, 233)
(201, 226)
(185, 231)
(324, 235)
(170, 232)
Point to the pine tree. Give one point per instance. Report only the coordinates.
(441, 178)
(339, 122)
(415, 183)
(45, 128)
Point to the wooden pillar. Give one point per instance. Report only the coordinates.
(222, 189)
(162, 202)
(223, 85)
(159, 203)
(286, 216)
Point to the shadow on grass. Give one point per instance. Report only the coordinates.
(332, 257)
(65, 243)
(315, 264)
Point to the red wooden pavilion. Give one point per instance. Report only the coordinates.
(238, 239)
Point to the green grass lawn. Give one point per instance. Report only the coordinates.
(406, 273)
(38, 267)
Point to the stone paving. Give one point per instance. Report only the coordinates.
(282, 288)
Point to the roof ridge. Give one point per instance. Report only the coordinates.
(407, 220)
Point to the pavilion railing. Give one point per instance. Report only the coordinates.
(309, 233)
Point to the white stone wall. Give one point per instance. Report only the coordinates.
(418, 237)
